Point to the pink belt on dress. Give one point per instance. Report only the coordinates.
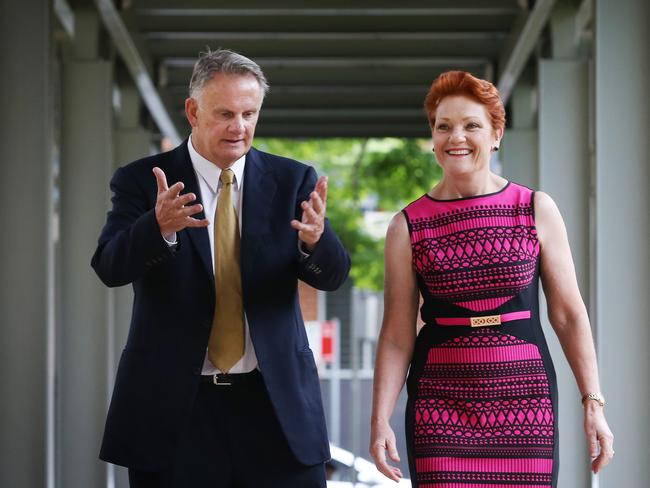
(483, 321)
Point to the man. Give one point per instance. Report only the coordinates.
(217, 386)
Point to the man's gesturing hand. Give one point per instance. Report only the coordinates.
(171, 213)
(311, 227)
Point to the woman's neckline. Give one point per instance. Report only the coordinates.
(470, 197)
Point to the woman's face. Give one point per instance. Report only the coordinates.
(463, 136)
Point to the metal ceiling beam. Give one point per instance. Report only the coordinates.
(525, 38)
(350, 89)
(346, 62)
(326, 36)
(325, 12)
(178, 90)
(65, 15)
(340, 113)
(136, 66)
(585, 17)
(355, 129)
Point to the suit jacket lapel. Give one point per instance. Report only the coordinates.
(197, 235)
(259, 190)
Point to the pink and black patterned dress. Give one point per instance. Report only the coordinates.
(482, 390)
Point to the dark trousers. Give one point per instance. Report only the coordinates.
(233, 440)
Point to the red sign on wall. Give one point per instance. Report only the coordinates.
(327, 341)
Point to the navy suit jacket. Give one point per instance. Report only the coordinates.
(158, 374)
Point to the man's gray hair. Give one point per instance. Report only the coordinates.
(223, 61)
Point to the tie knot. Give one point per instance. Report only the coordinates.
(227, 176)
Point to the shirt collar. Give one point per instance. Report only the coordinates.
(211, 173)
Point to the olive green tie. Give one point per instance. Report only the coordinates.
(226, 344)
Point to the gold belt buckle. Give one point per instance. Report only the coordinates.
(485, 320)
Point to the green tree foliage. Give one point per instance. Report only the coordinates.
(400, 174)
(364, 175)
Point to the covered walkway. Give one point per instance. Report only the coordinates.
(88, 85)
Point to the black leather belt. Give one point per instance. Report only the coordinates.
(232, 379)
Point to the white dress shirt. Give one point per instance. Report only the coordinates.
(207, 175)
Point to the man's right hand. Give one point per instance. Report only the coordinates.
(171, 213)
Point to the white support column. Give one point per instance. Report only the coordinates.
(131, 142)
(622, 213)
(564, 174)
(27, 247)
(518, 153)
(86, 304)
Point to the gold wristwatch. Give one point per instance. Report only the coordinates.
(597, 397)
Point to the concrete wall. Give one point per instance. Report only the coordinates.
(622, 261)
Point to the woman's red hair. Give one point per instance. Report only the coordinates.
(464, 84)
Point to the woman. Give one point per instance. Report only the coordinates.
(482, 395)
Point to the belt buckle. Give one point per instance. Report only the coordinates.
(485, 321)
(215, 380)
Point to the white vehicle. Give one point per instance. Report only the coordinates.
(344, 466)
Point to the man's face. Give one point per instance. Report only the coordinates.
(224, 116)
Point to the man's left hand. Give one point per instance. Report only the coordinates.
(311, 227)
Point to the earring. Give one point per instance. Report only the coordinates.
(495, 148)
(433, 149)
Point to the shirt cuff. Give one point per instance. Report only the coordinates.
(304, 254)
(171, 240)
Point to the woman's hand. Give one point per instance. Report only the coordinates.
(395, 345)
(599, 437)
(382, 439)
